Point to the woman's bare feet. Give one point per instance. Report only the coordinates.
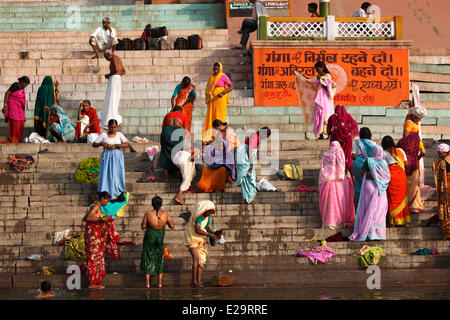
(96, 286)
(409, 225)
(159, 285)
(147, 285)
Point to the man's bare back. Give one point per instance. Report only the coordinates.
(157, 221)
(116, 66)
(174, 122)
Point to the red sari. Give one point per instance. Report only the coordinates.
(93, 118)
(98, 236)
(343, 128)
(180, 99)
(398, 209)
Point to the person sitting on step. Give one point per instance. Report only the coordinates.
(92, 122)
(103, 38)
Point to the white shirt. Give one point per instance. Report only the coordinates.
(118, 139)
(360, 13)
(259, 10)
(390, 159)
(104, 36)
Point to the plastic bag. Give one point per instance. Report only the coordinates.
(264, 185)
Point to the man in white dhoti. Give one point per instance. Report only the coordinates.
(184, 160)
(113, 91)
(103, 38)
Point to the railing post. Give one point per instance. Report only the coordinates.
(324, 8)
(331, 28)
(398, 22)
(262, 32)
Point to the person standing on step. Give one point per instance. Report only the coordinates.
(99, 235)
(46, 96)
(195, 234)
(184, 96)
(361, 151)
(113, 91)
(103, 38)
(251, 25)
(413, 146)
(86, 112)
(335, 190)
(441, 169)
(14, 104)
(324, 106)
(217, 97)
(370, 221)
(112, 167)
(154, 223)
(343, 128)
(245, 161)
(398, 210)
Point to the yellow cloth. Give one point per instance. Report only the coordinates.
(194, 240)
(412, 127)
(413, 192)
(217, 107)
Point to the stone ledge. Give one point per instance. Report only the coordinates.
(333, 44)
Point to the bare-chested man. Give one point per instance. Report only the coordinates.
(113, 91)
(154, 223)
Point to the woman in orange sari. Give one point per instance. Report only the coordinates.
(217, 97)
(184, 96)
(398, 209)
(441, 168)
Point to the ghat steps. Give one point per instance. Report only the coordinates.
(261, 238)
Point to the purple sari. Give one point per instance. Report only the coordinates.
(370, 221)
(410, 145)
(217, 155)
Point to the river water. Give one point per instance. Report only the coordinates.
(243, 293)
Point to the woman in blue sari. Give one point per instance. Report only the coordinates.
(59, 124)
(362, 150)
(245, 159)
(112, 168)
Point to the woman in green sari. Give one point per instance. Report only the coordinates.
(154, 223)
(47, 96)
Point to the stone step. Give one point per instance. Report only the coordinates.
(428, 68)
(245, 239)
(314, 278)
(429, 59)
(433, 87)
(429, 77)
(245, 249)
(239, 264)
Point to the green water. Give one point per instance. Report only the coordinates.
(257, 293)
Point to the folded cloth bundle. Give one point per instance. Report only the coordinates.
(21, 163)
(426, 252)
(305, 188)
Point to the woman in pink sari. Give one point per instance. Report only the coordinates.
(335, 190)
(370, 221)
(14, 109)
(343, 128)
(324, 99)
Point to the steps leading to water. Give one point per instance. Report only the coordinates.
(261, 238)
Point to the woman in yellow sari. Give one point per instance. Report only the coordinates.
(196, 231)
(441, 169)
(217, 97)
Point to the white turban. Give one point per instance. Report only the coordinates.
(419, 112)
